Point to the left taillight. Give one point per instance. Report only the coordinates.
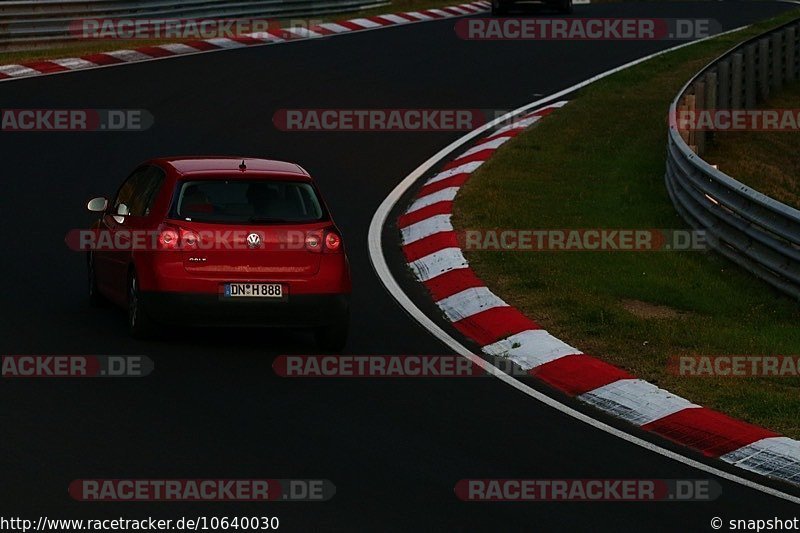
(172, 237)
(169, 237)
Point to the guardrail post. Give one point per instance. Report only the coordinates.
(750, 76)
(724, 85)
(710, 102)
(682, 110)
(777, 63)
(691, 135)
(736, 80)
(763, 68)
(700, 106)
(791, 45)
(796, 51)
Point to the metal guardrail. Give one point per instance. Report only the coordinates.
(26, 24)
(755, 231)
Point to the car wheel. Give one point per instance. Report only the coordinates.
(333, 337)
(499, 8)
(566, 7)
(140, 324)
(95, 298)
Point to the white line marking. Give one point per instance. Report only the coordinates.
(466, 168)
(469, 7)
(265, 36)
(438, 263)
(636, 401)
(366, 23)
(304, 32)
(486, 145)
(128, 55)
(469, 302)
(439, 196)
(770, 456)
(224, 42)
(439, 12)
(519, 124)
(375, 238)
(179, 48)
(394, 18)
(531, 348)
(332, 26)
(17, 71)
(426, 228)
(417, 15)
(73, 63)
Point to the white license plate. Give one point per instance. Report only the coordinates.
(253, 290)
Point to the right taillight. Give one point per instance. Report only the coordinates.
(326, 241)
(333, 242)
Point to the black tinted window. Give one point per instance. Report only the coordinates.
(240, 201)
(144, 194)
(139, 191)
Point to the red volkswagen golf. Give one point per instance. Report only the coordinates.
(221, 241)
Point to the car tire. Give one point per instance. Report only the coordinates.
(566, 7)
(499, 8)
(140, 325)
(95, 298)
(333, 337)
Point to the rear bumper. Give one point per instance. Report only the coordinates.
(299, 310)
(161, 272)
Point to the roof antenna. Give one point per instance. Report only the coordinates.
(242, 167)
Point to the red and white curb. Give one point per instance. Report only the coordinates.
(148, 53)
(432, 251)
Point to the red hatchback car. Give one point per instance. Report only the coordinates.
(221, 241)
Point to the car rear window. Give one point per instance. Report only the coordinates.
(242, 201)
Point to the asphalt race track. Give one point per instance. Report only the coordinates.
(213, 407)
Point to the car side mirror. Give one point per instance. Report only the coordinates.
(97, 205)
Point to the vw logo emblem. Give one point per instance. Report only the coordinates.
(254, 240)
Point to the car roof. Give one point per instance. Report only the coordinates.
(230, 167)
